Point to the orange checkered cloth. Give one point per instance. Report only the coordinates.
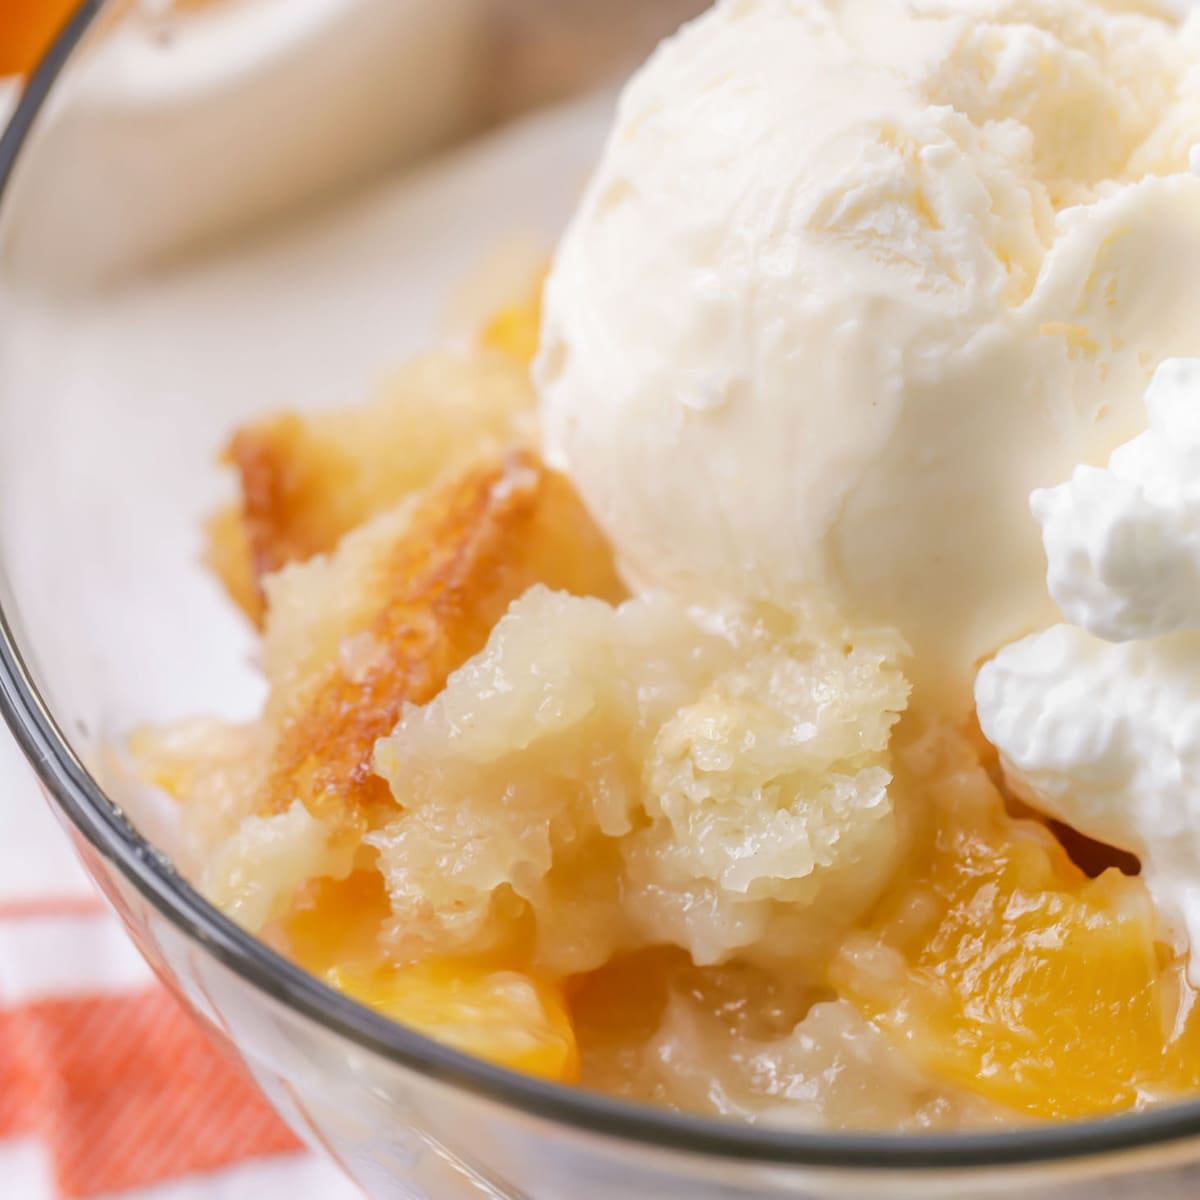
(107, 1087)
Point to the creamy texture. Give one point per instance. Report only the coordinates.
(851, 280)
(1107, 739)
(1105, 734)
(1123, 542)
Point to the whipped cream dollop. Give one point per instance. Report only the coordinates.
(1097, 720)
(1123, 542)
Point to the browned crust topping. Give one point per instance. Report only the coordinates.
(469, 549)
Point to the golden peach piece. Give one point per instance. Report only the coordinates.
(1000, 967)
(516, 329)
(506, 1017)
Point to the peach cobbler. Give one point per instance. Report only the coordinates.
(673, 693)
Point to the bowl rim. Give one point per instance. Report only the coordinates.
(99, 821)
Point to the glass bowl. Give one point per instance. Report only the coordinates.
(111, 404)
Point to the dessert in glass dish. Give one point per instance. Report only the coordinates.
(757, 676)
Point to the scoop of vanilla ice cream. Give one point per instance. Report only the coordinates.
(852, 279)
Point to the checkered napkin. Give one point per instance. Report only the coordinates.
(107, 1087)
